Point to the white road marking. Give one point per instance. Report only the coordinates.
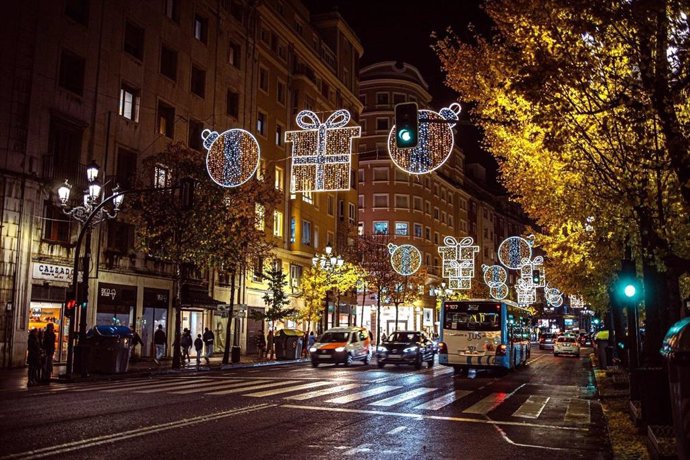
(361, 449)
(393, 400)
(578, 412)
(213, 386)
(397, 430)
(304, 386)
(443, 401)
(119, 384)
(260, 386)
(152, 387)
(324, 392)
(363, 394)
(533, 407)
(487, 404)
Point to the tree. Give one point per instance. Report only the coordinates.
(167, 230)
(276, 300)
(341, 280)
(313, 290)
(406, 289)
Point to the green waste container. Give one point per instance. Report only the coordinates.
(676, 350)
(288, 343)
(107, 349)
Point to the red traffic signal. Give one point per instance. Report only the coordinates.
(71, 304)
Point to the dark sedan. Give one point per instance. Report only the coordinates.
(406, 347)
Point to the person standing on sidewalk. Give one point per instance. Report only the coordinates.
(261, 343)
(208, 341)
(159, 339)
(136, 340)
(34, 357)
(186, 344)
(49, 349)
(199, 347)
(269, 344)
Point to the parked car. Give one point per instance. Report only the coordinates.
(566, 346)
(406, 347)
(546, 341)
(342, 345)
(585, 340)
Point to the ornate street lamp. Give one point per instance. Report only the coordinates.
(442, 293)
(330, 264)
(90, 213)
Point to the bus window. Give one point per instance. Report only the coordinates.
(472, 317)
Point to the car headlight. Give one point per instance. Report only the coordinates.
(340, 349)
(313, 349)
(410, 349)
(382, 349)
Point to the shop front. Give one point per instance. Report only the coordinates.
(199, 311)
(155, 313)
(116, 304)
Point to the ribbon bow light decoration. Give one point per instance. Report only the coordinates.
(321, 152)
(458, 261)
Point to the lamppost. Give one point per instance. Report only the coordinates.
(442, 293)
(91, 213)
(329, 263)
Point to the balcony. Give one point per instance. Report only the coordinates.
(53, 170)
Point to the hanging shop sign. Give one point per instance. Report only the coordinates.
(52, 272)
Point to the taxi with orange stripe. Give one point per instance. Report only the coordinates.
(342, 345)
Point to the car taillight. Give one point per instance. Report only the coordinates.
(501, 350)
(442, 348)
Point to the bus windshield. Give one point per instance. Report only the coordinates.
(470, 316)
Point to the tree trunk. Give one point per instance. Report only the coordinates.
(177, 355)
(226, 352)
(336, 310)
(378, 318)
(395, 327)
(656, 311)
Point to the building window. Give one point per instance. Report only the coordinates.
(200, 28)
(263, 79)
(198, 81)
(401, 228)
(280, 92)
(402, 201)
(316, 237)
(382, 124)
(427, 233)
(436, 213)
(233, 103)
(195, 129)
(381, 98)
(292, 230)
(120, 237)
(295, 276)
(443, 217)
(126, 168)
(380, 200)
(166, 119)
(134, 40)
(398, 98)
(360, 201)
(381, 174)
(450, 221)
(360, 174)
(55, 224)
(169, 62)
(129, 102)
(308, 197)
(417, 204)
(279, 176)
(331, 205)
(261, 123)
(234, 54)
(418, 230)
(279, 135)
(161, 176)
(71, 75)
(78, 10)
(401, 176)
(381, 227)
(259, 216)
(258, 269)
(427, 207)
(360, 228)
(352, 213)
(306, 232)
(435, 237)
(172, 10)
(278, 224)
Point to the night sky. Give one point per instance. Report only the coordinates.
(400, 30)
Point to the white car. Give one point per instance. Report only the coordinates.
(566, 345)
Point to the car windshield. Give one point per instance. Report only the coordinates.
(330, 337)
(404, 337)
(566, 340)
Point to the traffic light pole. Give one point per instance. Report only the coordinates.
(633, 334)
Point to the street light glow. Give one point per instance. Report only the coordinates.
(630, 291)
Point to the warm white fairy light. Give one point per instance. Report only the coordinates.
(495, 277)
(232, 156)
(576, 302)
(458, 261)
(435, 142)
(526, 293)
(515, 251)
(321, 152)
(405, 259)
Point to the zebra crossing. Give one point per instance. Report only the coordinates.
(562, 406)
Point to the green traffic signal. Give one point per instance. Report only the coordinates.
(406, 125)
(630, 290)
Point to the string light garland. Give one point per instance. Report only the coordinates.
(405, 259)
(321, 152)
(233, 156)
(458, 261)
(515, 251)
(435, 142)
(496, 276)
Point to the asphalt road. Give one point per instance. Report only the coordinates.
(295, 411)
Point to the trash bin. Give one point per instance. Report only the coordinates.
(108, 348)
(235, 355)
(288, 343)
(676, 350)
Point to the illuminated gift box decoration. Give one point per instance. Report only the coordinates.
(526, 293)
(233, 156)
(321, 152)
(458, 261)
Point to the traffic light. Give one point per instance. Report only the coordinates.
(70, 306)
(536, 277)
(406, 125)
(628, 287)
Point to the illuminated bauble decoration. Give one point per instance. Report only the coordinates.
(232, 156)
(435, 142)
(405, 259)
(496, 277)
(500, 292)
(515, 251)
(554, 297)
(458, 261)
(321, 152)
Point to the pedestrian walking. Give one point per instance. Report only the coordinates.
(49, 350)
(261, 343)
(159, 339)
(186, 344)
(208, 342)
(136, 340)
(34, 357)
(312, 340)
(305, 345)
(269, 344)
(199, 347)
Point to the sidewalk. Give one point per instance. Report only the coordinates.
(15, 379)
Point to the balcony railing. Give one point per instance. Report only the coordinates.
(53, 170)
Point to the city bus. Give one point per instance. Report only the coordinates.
(484, 334)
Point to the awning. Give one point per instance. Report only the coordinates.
(197, 298)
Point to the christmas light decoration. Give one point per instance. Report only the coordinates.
(495, 277)
(576, 302)
(554, 297)
(435, 142)
(515, 251)
(533, 272)
(232, 156)
(322, 152)
(458, 261)
(526, 293)
(405, 259)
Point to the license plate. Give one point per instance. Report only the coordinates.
(394, 356)
(324, 356)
